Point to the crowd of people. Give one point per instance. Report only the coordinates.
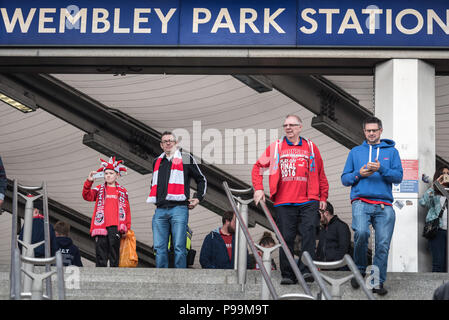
(298, 187)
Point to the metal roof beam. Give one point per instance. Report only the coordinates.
(202, 60)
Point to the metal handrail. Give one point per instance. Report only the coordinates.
(240, 252)
(13, 280)
(291, 260)
(250, 242)
(38, 277)
(15, 265)
(241, 191)
(336, 283)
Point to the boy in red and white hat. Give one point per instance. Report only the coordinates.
(112, 214)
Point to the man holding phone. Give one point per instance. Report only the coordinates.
(370, 170)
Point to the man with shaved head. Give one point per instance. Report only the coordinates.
(298, 187)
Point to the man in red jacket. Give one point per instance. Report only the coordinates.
(112, 214)
(298, 187)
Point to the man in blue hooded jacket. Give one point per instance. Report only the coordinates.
(371, 168)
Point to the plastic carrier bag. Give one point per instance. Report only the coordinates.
(128, 254)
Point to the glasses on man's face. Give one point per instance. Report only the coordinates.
(168, 141)
(321, 211)
(291, 125)
(371, 130)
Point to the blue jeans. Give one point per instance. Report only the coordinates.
(382, 220)
(438, 249)
(173, 219)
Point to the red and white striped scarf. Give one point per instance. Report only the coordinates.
(175, 189)
(98, 224)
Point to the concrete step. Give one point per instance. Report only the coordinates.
(198, 284)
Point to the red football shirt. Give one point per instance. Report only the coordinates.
(228, 242)
(294, 167)
(111, 206)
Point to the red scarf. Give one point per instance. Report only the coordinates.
(175, 189)
(98, 226)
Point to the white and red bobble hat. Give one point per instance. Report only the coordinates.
(111, 164)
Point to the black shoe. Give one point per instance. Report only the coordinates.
(288, 281)
(354, 282)
(308, 277)
(381, 291)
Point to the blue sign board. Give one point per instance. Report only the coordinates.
(407, 186)
(242, 23)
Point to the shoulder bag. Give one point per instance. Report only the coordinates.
(431, 227)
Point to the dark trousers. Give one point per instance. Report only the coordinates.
(293, 220)
(108, 248)
(438, 250)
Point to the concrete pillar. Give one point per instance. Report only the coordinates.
(405, 102)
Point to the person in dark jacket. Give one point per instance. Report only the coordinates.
(70, 252)
(217, 251)
(3, 183)
(442, 292)
(334, 238)
(170, 192)
(38, 231)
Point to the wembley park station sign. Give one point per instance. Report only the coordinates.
(242, 23)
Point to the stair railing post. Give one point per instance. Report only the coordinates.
(237, 241)
(249, 240)
(48, 287)
(28, 251)
(266, 258)
(242, 246)
(13, 279)
(60, 274)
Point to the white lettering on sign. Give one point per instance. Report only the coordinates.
(313, 24)
(164, 18)
(350, 20)
(80, 15)
(138, 20)
(43, 19)
(244, 20)
(331, 21)
(247, 16)
(17, 16)
(350, 16)
(226, 24)
(102, 19)
(417, 28)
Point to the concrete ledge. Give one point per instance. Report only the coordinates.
(198, 284)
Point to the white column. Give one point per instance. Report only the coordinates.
(405, 102)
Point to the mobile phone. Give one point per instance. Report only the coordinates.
(98, 175)
(445, 178)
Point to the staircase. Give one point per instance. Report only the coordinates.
(197, 284)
